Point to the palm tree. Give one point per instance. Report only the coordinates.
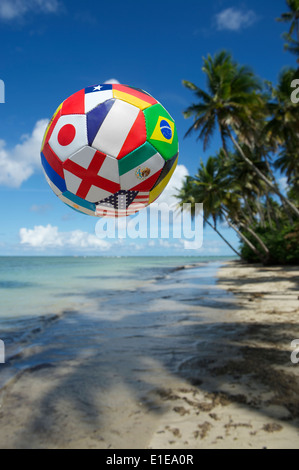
(230, 90)
(292, 16)
(282, 130)
(212, 186)
(249, 188)
(234, 105)
(188, 194)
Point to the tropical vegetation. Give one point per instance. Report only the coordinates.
(258, 124)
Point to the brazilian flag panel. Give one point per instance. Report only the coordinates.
(161, 131)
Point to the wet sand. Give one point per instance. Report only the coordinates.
(191, 364)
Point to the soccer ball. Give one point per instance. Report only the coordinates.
(109, 150)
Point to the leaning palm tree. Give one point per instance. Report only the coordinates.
(250, 189)
(190, 194)
(211, 186)
(232, 104)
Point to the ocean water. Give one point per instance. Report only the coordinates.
(61, 308)
(35, 286)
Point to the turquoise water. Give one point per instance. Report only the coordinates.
(34, 286)
(57, 309)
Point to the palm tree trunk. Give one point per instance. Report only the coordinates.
(260, 210)
(261, 175)
(255, 235)
(245, 239)
(250, 230)
(221, 236)
(269, 212)
(286, 208)
(249, 210)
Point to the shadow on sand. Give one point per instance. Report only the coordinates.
(84, 371)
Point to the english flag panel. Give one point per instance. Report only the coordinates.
(90, 183)
(83, 157)
(96, 194)
(72, 181)
(109, 170)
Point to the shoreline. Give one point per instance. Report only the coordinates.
(207, 366)
(247, 395)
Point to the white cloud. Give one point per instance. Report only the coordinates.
(49, 237)
(13, 9)
(233, 19)
(112, 81)
(20, 162)
(283, 183)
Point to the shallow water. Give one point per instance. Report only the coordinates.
(116, 310)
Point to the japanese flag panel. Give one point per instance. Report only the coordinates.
(91, 175)
(69, 135)
(120, 130)
(51, 126)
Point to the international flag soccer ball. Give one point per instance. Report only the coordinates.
(109, 150)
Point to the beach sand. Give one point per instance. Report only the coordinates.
(208, 367)
(247, 392)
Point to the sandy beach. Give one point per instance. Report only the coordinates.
(208, 366)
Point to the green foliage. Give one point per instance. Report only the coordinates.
(292, 36)
(259, 129)
(283, 245)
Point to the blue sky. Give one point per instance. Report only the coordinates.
(52, 48)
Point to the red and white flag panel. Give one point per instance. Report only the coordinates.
(91, 175)
(116, 128)
(69, 135)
